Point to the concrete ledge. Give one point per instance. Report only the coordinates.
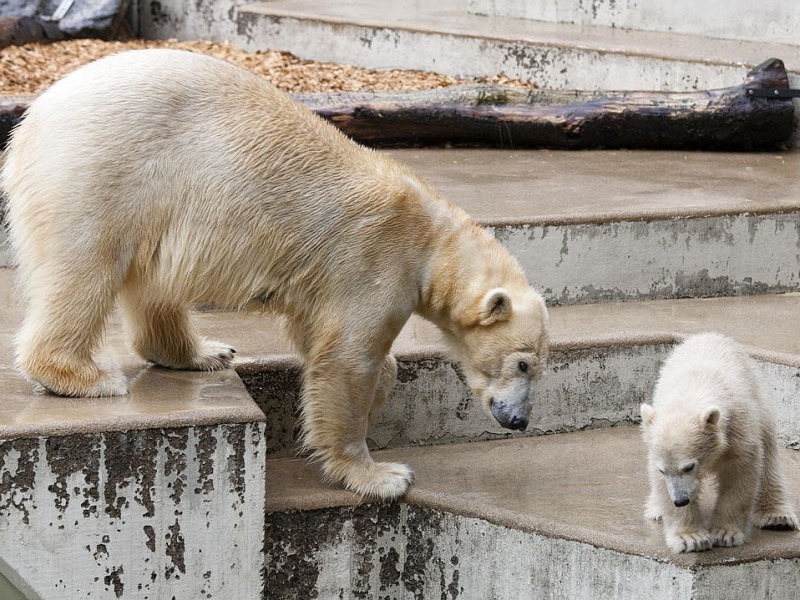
(156, 513)
(507, 519)
(444, 38)
(778, 23)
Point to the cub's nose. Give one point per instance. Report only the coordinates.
(681, 502)
(519, 423)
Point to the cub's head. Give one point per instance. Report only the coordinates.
(683, 448)
(502, 351)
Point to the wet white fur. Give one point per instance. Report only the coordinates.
(711, 428)
(162, 178)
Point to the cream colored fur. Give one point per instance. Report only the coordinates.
(711, 434)
(162, 179)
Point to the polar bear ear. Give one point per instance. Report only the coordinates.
(495, 306)
(711, 416)
(648, 415)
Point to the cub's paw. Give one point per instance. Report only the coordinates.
(652, 512)
(690, 541)
(727, 538)
(779, 520)
(212, 356)
(385, 481)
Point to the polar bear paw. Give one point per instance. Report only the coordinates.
(779, 520)
(727, 538)
(690, 541)
(385, 481)
(212, 356)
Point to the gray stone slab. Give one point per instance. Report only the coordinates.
(556, 516)
(443, 37)
(157, 513)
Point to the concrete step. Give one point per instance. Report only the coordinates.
(775, 22)
(159, 494)
(603, 363)
(130, 488)
(442, 36)
(550, 517)
(599, 226)
(606, 226)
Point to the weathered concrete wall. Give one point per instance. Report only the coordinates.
(551, 67)
(188, 19)
(782, 384)
(176, 513)
(670, 258)
(775, 22)
(582, 388)
(398, 551)
(431, 403)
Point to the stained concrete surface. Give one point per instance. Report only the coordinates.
(589, 486)
(768, 325)
(500, 187)
(450, 17)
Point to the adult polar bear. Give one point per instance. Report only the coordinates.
(165, 178)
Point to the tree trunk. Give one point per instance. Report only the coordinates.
(502, 117)
(507, 117)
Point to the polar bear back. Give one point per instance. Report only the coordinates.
(188, 165)
(709, 370)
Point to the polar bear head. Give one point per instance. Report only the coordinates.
(502, 348)
(683, 446)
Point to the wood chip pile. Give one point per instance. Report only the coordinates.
(30, 69)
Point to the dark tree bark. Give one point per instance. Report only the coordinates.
(724, 119)
(506, 117)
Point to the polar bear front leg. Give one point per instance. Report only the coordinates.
(774, 510)
(737, 484)
(684, 530)
(338, 397)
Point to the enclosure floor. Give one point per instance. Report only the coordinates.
(451, 17)
(588, 486)
(161, 397)
(495, 186)
(552, 187)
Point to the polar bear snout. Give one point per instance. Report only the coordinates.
(509, 417)
(681, 489)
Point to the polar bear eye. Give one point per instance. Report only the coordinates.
(522, 366)
(688, 468)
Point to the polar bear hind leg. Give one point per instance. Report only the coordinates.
(162, 332)
(61, 330)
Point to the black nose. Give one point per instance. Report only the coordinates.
(681, 502)
(518, 423)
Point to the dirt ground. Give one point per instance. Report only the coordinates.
(32, 68)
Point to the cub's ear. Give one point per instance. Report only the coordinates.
(710, 417)
(648, 415)
(495, 306)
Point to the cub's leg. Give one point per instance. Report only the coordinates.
(386, 382)
(67, 310)
(683, 526)
(773, 509)
(339, 388)
(654, 507)
(162, 332)
(737, 483)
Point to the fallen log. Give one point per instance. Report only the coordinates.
(505, 117)
(724, 119)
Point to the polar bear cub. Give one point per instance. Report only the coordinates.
(162, 178)
(711, 426)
